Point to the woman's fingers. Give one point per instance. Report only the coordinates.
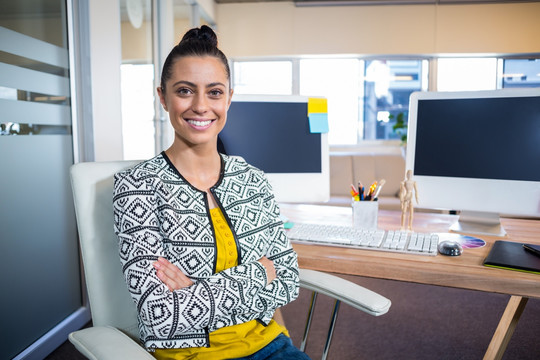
(166, 267)
(270, 269)
(161, 275)
(171, 275)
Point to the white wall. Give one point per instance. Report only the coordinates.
(280, 28)
(209, 7)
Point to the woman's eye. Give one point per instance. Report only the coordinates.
(216, 93)
(183, 91)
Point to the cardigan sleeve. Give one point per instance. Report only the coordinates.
(285, 287)
(220, 300)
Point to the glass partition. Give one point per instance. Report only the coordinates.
(39, 260)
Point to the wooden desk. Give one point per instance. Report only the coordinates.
(465, 271)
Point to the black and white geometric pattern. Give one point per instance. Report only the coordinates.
(158, 213)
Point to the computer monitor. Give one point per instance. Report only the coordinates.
(273, 134)
(478, 153)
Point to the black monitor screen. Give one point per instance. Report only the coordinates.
(484, 138)
(273, 136)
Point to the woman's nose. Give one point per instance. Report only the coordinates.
(200, 104)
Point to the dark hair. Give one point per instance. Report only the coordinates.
(196, 42)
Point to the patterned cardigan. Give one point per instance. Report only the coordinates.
(158, 213)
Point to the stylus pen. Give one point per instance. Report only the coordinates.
(531, 249)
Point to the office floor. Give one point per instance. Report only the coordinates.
(424, 322)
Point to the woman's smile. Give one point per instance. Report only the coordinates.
(200, 124)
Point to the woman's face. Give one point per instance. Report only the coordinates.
(197, 97)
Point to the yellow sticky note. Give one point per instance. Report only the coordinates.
(317, 105)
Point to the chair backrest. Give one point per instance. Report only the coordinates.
(110, 301)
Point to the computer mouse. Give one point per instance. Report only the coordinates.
(450, 248)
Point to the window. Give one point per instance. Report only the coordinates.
(338, 80)
(466, 74)
(521, 73)
(388, 85)
(137, 81)
(367, 96)
(263, 77)
(138, 110)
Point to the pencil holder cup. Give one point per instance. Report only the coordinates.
(365, 214)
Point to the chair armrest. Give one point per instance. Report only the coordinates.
(107, 343)
(345, 291)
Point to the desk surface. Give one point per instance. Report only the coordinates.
(465, 271)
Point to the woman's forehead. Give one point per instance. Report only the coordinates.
(198, 66)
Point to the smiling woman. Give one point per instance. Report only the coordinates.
(204, 251)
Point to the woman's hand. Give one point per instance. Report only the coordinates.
(171, 275)
(270, 269)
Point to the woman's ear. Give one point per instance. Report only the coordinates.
(230, 98)
(162, 98)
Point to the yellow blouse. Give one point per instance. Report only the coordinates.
(231, 341)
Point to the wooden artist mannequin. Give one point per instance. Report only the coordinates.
(406, 190)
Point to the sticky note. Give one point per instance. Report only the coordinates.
(318, 123)
(317, 105)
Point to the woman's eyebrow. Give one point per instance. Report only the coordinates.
(217, 83)
(184, 82)
(189, 83)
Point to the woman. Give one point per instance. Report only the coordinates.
(203, 250)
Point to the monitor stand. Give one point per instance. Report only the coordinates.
(478, 223)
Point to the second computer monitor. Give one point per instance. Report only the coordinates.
(273, 134)
(477, 152)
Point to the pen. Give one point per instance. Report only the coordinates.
(369, 195)
(378, 191)
(361, 191)
(354, 193)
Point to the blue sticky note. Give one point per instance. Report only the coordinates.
(318, 123)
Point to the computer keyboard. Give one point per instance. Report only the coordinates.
(382, 240)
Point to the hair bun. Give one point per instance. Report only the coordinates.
(204, 34)
(196, 42)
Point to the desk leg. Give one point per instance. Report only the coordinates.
(506, 328)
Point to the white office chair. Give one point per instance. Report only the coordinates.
(114, 334)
